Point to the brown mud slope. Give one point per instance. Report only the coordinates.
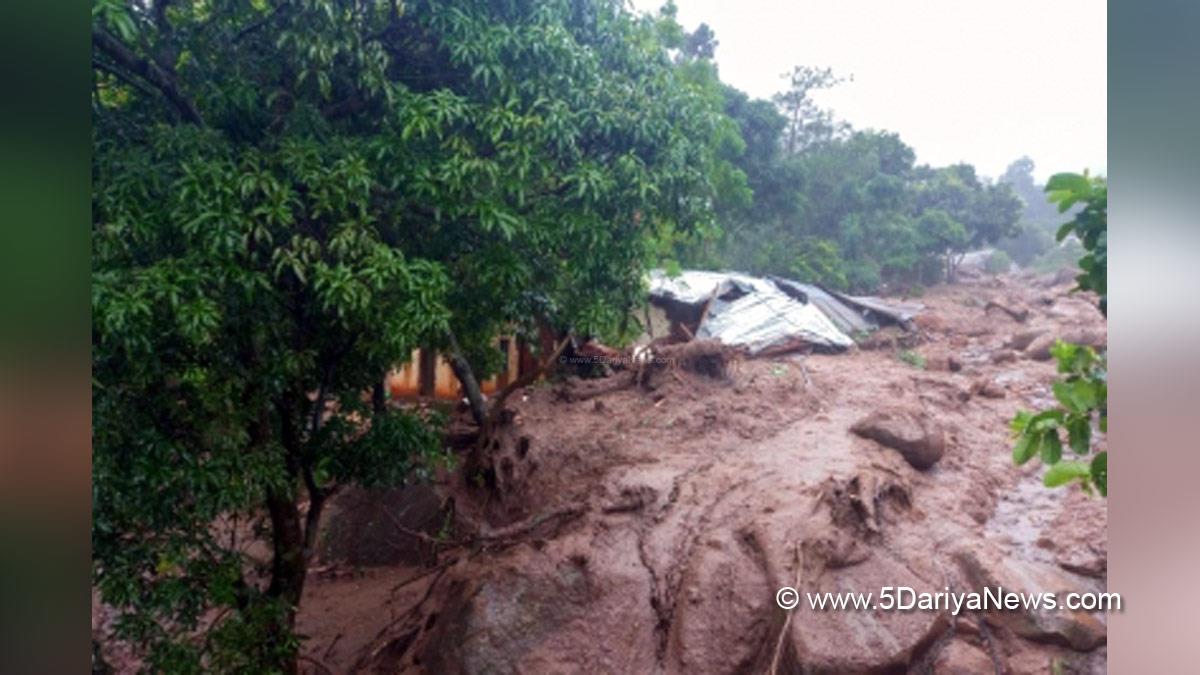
(647, 531)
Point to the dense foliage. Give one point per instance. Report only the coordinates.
(291, 196)
(848, 208)
(1082, 393)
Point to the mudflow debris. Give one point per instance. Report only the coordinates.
(642, 522)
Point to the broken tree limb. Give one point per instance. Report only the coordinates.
(466, 376)
(526, 379)
(705, 357)
(1017, 315)
(563, 515)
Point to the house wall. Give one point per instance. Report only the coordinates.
(404, 381)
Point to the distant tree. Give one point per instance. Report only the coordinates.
(807, 122)
(701, 43)
(1039, 218)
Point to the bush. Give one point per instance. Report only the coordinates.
(912, 358)
(1063, 256)
(998, 263)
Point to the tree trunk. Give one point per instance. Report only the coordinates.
(288, 570)
(378, 398)
(292, 540)
(470, 385)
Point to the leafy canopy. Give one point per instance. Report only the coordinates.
(291, 196)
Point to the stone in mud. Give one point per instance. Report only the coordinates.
(960, 658)
(1039, 349)
(942, 359)
(1078, 630)
(987, 388)
(915, 435)
(1019, 341)
(1097, 340)
(1003, 356)
(930, 322)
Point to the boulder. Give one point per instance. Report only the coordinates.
(1003, 356)
(942, 359)
(914, 434)
(1078, 630)
(1019, 341)
(1039, 349)
(960, 658)
(987, 388)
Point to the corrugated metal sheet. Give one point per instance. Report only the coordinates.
(846, 318)
(884, 312)
(769, 321)
(764, 315)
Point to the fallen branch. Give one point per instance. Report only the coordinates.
(318, 663)
(567, 514)
(1017, 315)
(788, 621)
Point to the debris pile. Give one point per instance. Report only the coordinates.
(772, 315)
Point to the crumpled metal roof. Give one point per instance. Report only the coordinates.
(774, 314)
(849, 320)
(769, 321)
(694, 287)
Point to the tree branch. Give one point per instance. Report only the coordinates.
(138, 86)
(466, 376)
(261, 22)
(152, 73)
(524, 381)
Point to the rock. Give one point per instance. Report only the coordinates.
(1094, 339)
(1003, 356)
(987, 389)
(942, 359)
(1039, 349)
(918, 437)
(1078, 630)
(928, 321)
(960, 658)
(1019, 341)
(966, 627)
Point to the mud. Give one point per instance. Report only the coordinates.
(646, 530)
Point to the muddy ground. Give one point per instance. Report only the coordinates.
(647, 530)
(644, 531)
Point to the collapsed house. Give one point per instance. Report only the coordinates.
(760, 315)
(769, 315)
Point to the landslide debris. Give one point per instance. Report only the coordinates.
(645, 529)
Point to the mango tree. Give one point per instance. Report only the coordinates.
(291, 196)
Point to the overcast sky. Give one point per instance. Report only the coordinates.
(979, 81)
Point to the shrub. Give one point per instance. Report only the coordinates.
(998, 263)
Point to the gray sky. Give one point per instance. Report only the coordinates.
(979, 81)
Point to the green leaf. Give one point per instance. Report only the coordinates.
(1024, 450)
(1051, 447)
(1079, 434)
(1065, 472)
(1021, 421)
(1099, 471)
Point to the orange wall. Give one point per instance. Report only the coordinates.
(405, 380)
